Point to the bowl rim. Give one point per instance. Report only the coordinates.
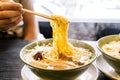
(104, 53)
(23, 60)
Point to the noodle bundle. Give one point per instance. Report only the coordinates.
(60, 54)
(60, 41)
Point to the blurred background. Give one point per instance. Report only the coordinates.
(89, 19)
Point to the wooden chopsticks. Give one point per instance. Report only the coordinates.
(36, 13)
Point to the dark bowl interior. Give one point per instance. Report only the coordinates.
(68, 74)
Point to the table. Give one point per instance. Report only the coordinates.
(10, 63)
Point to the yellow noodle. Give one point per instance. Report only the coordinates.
(61, 54)
(60, 36)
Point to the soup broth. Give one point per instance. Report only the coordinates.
(112, 48)
(39, 57)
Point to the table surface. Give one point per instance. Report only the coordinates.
(10, 63)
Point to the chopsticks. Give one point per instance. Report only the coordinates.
(36, 13)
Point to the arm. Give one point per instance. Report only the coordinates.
(31, 29)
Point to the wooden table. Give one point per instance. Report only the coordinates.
(10, 63)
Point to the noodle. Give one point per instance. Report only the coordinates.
(60, 54)
(60, 41)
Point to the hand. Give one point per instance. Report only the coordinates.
(10, 14)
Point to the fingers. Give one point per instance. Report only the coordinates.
(9, 14)
(8, 23)
(10, 20)
(10, 9)
(10, 6)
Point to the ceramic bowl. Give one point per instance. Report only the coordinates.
(113, 61)
(67, 74)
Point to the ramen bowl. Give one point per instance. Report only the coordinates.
(112, 59)
(64, 74)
